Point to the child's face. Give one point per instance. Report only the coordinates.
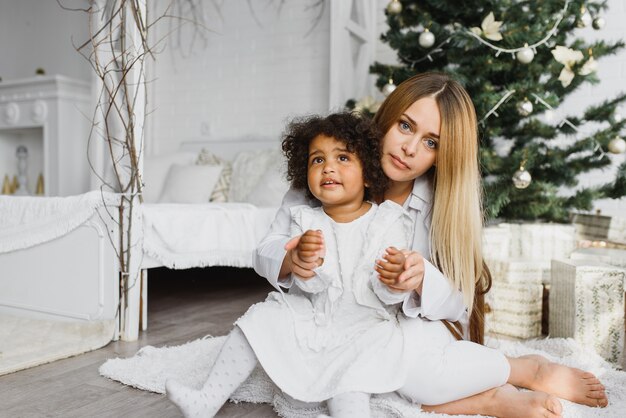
(335, 175)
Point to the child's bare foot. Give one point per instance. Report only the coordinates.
(504, 402)
(565, 382)
(509, 402)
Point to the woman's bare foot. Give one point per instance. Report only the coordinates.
(538, 373)
(504, 402)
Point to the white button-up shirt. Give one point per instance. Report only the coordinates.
(439, 298)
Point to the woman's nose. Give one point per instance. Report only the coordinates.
(410, 147)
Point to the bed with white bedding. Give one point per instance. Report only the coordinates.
(181, 236)
(210, 203)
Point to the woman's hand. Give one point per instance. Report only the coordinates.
(401, 270)
(305, 252)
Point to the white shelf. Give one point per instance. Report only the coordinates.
(49, 115)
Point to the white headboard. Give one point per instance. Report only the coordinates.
(228, 148)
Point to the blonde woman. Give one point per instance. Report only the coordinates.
(429, 151)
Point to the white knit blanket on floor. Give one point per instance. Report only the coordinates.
(26, 221)
(190, 364)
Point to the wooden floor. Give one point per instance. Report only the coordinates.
(183, 306)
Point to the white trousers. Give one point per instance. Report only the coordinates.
(445, 369)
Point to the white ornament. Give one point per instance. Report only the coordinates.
(526, 55)
(395, 7)
(389, 88)
(617, 145)
(598, 23)
(568, 57)
(585, 18)
(489, 28)
(426, 39)
(521, 178)
(525, 107)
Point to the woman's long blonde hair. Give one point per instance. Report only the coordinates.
(457, 216)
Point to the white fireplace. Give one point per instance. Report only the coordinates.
(51, 116)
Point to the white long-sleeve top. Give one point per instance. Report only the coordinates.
(439, 298)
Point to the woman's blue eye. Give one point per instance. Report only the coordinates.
(405, 126)
(431, 143)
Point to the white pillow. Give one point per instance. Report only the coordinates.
(190, 183)
(155, 169)
(248, 167)
(270, 189)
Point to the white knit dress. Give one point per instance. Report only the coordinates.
(332, 334)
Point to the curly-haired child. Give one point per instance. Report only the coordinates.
(334, 337)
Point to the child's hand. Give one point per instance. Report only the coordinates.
(311, 247)
(304, 247)
(409, 275)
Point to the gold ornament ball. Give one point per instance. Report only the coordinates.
(388, 88)
(617, 145)
(525, 56)
(426, 39)
(525, 107)
(395, 7)
(598, 23)
(521, 178)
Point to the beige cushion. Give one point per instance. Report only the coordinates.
(220, 192)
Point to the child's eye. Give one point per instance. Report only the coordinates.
(344, 158)
(431, 143)
(317, 160)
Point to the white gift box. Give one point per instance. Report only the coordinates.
(520, 270)
(587, 304)
(612, 256)
(515, 309)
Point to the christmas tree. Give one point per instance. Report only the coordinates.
(518, 60)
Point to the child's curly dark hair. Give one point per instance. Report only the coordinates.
(356, 131)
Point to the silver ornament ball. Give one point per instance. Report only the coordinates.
(617, 145)
(388, 88)
(525, 107)
(598, 23)
(521, 178)
(525, 56)
(394, 7)
(426, 39)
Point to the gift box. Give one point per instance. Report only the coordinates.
(600, 227)
(514, 309)
(612, 256)
(587, 304)
(519, 270)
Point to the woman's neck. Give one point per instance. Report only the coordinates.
(398, 191)
(346, 213)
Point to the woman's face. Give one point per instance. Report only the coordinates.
(409, 148)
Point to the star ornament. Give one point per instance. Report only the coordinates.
(568, 57)
(489, 28)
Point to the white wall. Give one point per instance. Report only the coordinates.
(248, 80)
(36, 33)
(612, 75)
